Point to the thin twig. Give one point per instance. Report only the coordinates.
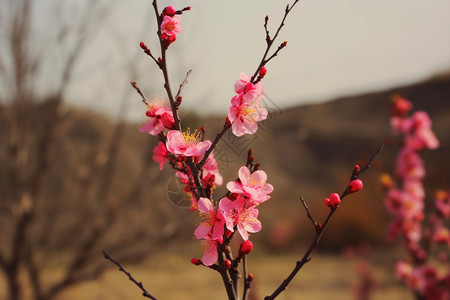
(271, 40)
(246, 282)
(130, 277)
(138, 90)
(308, 212)
(185, 81)
(319, 232)
(372, 158)
(211, 148)
(164, 69)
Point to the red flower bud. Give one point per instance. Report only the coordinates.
(143, 45)
(263, 71)
(196, 261)
(250, 277)
(354, 186)
(228, 232)
(169, 11)
(226, 264)
(245, 248)
(333, 201)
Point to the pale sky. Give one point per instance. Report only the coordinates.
(335, 48)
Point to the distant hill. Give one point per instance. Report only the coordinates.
(306, 151)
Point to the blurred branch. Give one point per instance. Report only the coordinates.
(130, 277)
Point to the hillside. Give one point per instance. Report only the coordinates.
(306, 151)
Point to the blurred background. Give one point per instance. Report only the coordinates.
(77, 178)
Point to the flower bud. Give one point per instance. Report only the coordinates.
(333, 201)
(354, 186)
(226, 264)
(263, 71)
(245, 248)
(143, 45)
(169, 11)
(196, 261)
(250, 277)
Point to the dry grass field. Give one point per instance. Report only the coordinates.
(170, 275)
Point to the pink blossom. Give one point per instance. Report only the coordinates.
(171, 25)
(400, 106)
(403, 269)
(441, 235)
(159, 154)
(160, 117)
(242, 84)
(211, 168)
(212, 221)
(246, 108)
(409, 164)
(252, 185)
(442, 203)
(238, 213)
(186, 143)
(210, 256)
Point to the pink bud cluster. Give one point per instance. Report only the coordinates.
(334, 200)
(170, 25)
(406, 204)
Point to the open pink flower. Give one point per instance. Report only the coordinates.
(246, 108)
(171, 25)
(212, 221)
(160, 115)
(210, 256)
(186, 143)
(252, 185)
(159, 154)
(241, 214)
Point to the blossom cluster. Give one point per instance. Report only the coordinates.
(193, 158)
(246, 108)
(236, 211)
(406, 204)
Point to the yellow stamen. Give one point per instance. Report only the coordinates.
(192, 138)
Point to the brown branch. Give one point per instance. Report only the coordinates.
(182, 85)
(213, 145)
(163, 66)
(308, 212)
(319, 232)
(226, 278)
(130, 277)
(246, 279)
(271, 40)
(138, 90)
